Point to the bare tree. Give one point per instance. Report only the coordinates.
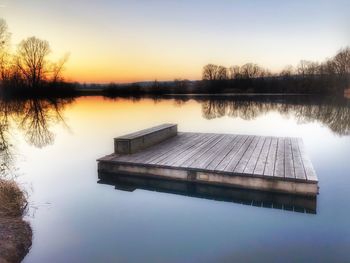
(32, 60)
(234, 72)
(58, 67)
(221, 73)
(264, 73)
(209, 72)
(302, 67)
(287, 71)
(251, 70)
(181, 84)
(214, 72)
(4, 44)
(306, 67)
(342, 61)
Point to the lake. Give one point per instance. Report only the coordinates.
(52, 147)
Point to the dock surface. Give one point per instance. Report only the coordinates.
(253, 162)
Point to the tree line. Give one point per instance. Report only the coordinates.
(339, 65)
(329, 77)
(28, 66)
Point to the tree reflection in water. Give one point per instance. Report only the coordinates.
(5, 146)
(333, 114)
(35, 118)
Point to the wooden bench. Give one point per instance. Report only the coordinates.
(134, 142)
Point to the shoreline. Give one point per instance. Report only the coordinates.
(15, 232)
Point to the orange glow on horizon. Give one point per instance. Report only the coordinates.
(134, 41)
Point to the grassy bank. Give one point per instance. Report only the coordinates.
(15, 233)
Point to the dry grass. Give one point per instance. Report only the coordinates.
(15, 233)
(13, 202)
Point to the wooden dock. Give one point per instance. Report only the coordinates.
(244, 161)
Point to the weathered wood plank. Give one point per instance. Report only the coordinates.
(157, 153)
(239, 154)
(309, 169)
(178, 149)
(210, 154)
(246, 157)
(279, 166)
(288, 159)
(271, 158)
(132, 143)
(160, 148)
(227, 159)
(180, 159)
(199, 157)
(253, 160)
(262, 160)
(221, 155)
(146, 131)
(172, 155)
(298, 163)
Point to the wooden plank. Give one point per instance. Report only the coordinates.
(186, 157)
(250, 167)
(279, 166)
(309, 169)
(161, 147)
(208, 156)
(157, 159)
(199, 156)
(160, 153)
(271, 158)
(227, 159)
(159, 150)
(298, 163)
(239, 154)
(169, 156)
(141, 140)
(108, 157)
(288, 159)
(146, 131)
(180, 158)
(246, 156)
(262, 160)
(223, 154)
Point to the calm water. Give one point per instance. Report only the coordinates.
(53, 147)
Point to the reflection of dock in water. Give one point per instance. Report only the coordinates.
(288, 202)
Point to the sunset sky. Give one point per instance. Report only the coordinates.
(126, 41)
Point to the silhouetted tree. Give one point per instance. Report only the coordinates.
(235, 72)
(32, 60)
(214, 72)
(57, 69)
(181, 85)
(287, 72)
(341, 62)
(251, 70)
(307, 68)
(4, 44)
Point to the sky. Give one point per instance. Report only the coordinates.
(139, 40)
